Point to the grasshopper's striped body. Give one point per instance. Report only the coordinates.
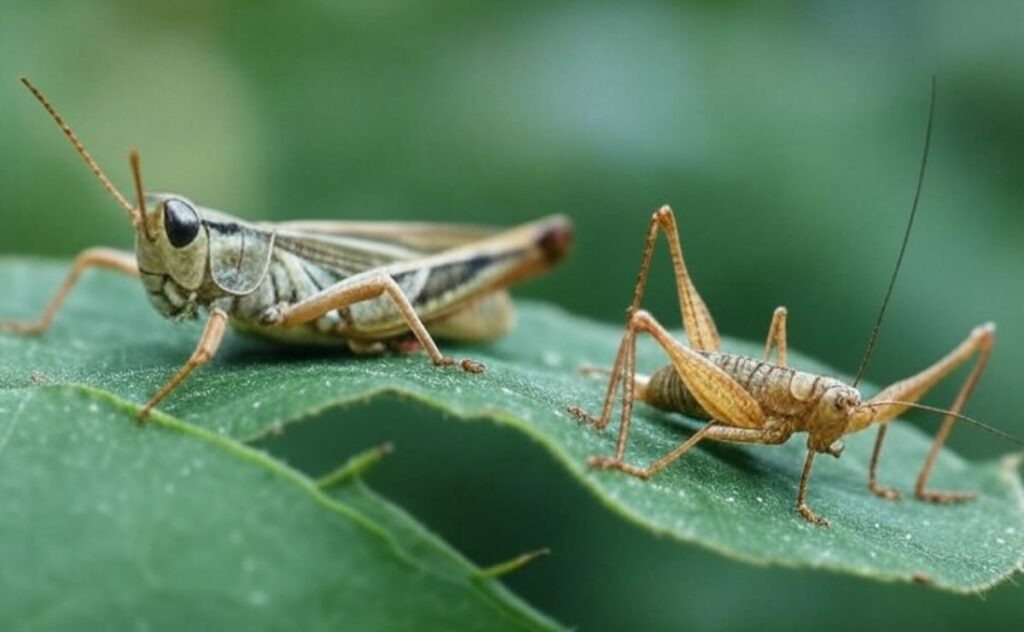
(451, 274)
(368, 285)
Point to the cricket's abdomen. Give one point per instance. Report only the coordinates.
(782, 392)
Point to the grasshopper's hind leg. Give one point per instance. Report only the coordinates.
(364, 289)
(979, 343)
(117, 260)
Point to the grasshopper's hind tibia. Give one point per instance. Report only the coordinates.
(116, 260)
(367, 288)
(910, 390)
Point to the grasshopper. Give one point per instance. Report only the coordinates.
(755, 401)
(366, 285)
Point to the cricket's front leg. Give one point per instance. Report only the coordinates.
(350, 292)
(910, 390)
(213, 333)
(801, 495)
(117, 260)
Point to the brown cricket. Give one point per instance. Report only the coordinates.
(754, 400)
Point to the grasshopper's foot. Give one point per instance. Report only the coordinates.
(942, 497)
(881, 491)
(11, 327)
(611, 463)
(469, 366)
(812, 517)
(472, 366)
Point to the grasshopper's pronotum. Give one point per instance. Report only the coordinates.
(365, 284)
(751, 400)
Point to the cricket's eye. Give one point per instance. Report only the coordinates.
(840, 402)
(181, 222)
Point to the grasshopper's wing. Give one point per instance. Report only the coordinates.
(438, 283)
(422, 238)
(447, 282)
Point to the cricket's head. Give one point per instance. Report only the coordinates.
(833, 415)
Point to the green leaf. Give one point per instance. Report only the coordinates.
(109, 526)
(738, 500)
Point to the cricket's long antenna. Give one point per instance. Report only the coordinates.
(970, 420)
(906, 238)
(86, 156)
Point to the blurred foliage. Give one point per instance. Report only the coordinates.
(786, 135)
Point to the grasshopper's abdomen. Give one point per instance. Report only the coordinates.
(782, 392)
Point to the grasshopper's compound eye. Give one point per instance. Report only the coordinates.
(181, 222)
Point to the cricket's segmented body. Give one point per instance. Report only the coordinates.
(789, 397)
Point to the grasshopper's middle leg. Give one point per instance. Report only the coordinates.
(117, 260)
(348, 293)
(910, 390)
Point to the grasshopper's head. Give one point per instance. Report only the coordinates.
(833, 415)
(171, 240)
(187, 256)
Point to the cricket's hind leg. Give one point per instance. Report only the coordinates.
(714, 390)
(697, 321)
(979, 343)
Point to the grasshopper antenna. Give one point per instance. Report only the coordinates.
(132, 213)
(970, 420)
(135, 162)
(906, 238)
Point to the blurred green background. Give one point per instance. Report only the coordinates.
(786, 135)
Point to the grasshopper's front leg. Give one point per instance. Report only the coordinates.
(354, 291)
(209, 342)
(116, 260)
